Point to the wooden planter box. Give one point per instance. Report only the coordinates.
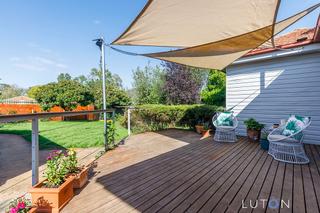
(254, 135)
(199, 128)
(81, 179)
(52, 199)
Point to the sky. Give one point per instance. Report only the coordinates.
(40, 39)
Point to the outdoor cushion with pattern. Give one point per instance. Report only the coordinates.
(224, 119)
(294, 124)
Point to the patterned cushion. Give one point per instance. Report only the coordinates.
(294, 124)
(224, 119)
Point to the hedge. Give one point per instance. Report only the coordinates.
(158, 117)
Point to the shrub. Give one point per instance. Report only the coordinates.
(157, 117)
(111, 133)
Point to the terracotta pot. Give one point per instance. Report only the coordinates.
(199, 129)
(205, 132)
(52, 199)
(33, 210)
(81, 178)
(254, 135)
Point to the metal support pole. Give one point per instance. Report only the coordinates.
(35, 151)
(129, 118)
(105, 132)
(113, 123)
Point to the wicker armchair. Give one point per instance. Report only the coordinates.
(288, 148)
(225, 133)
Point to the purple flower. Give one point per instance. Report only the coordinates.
(21, 205)
(14, 210)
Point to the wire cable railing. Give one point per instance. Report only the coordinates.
(45, 133)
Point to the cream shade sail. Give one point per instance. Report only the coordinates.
(220, 54)
(188, 23)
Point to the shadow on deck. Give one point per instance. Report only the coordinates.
(173, 171)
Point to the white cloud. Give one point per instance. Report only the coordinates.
(96, 21)
(37, 63)
(14, 59)
(63, 66)
(35, 46)
(32, 67)
(32, 44)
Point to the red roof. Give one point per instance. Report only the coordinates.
(19, 98)
(296, 38)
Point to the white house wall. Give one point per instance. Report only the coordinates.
(272, 89)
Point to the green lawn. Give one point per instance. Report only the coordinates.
(65, 134)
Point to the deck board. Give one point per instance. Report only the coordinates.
(173, 171)
(287, 188)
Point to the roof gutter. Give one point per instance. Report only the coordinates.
(279, 54)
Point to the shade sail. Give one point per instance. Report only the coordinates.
(220, 54)
(188, 23)
(207, 33)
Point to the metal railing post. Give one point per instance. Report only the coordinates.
(35, 151)
(113, 123)
(129, 125)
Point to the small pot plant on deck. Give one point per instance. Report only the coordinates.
(199, 127)
(264, 143)
(80, 173)
(206, 129)
(52, 194)
(20, 205)
(253, 129)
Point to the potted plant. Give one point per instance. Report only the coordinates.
(56, 190)
(206, 129)
(20, 205)
(80, 173)
(253, 129)
(199, 127)
(264, 143)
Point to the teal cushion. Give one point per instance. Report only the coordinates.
(294, 124)
(224, 119)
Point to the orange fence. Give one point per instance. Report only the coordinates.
(6, 109)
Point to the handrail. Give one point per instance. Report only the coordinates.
(34, 117)
(30, 116)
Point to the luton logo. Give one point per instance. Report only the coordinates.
(272, 203)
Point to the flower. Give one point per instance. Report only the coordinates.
(13, 210)
(21, 205)
(71, 152)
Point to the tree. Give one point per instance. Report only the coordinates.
(183, 83)
(32, 91)
(64, 77)
(67, 94)
(215, 91)
(10, 91)
(46, 96)
(148, 85)
(81, 79)
(116, 95)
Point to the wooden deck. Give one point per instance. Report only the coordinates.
(172, 171)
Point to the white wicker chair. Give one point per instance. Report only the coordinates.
(288, 148)
(225, 133)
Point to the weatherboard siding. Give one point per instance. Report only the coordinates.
(272, 89)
